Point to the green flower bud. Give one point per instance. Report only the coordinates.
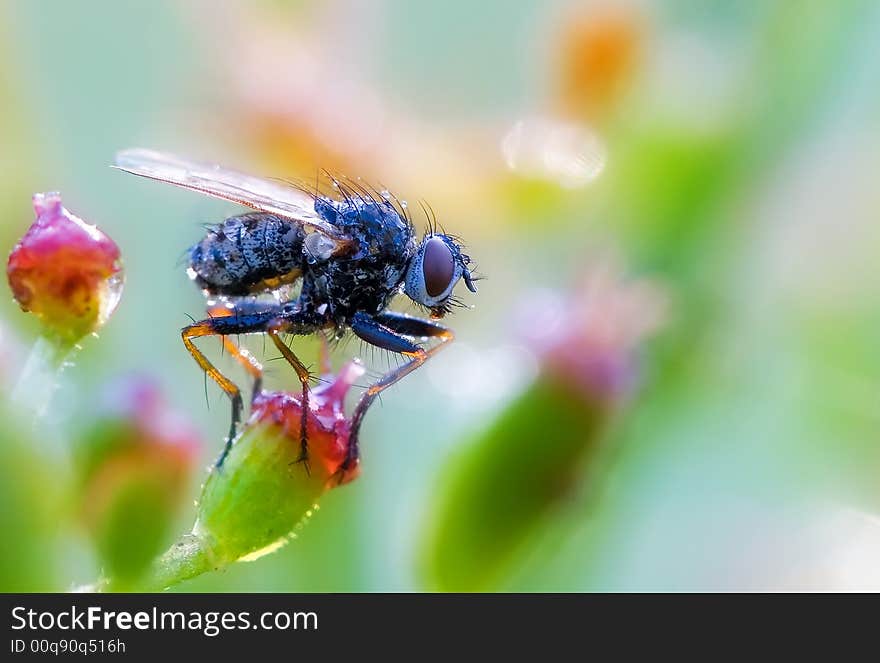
(134, 463)
(525, 465)
(264, 491)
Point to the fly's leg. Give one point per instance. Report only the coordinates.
(247, 360)
(250, 364)
(206, 328)
(390, 331)
(249, 323)
(303, 374)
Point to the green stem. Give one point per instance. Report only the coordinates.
(189, 557)
(39, 379)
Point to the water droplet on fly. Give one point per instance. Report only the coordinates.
(317, 247)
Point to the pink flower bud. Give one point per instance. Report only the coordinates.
(328, 429)
(263, 491)
(65, 271)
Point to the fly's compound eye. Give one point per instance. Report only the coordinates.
(434, 271)
(438, 267)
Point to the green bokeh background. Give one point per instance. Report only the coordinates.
(742, 177)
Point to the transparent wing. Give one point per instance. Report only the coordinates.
(254, 192)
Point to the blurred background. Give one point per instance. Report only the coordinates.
(700, 178)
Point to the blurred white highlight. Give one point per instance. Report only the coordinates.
(478, 379)
(569, 154)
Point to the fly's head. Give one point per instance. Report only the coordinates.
(433, 272)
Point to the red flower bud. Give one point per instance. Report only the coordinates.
(65, 271)
(328, 429)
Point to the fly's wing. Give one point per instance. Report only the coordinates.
(254, 192)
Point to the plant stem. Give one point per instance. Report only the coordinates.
(39, 378)
(189, 557)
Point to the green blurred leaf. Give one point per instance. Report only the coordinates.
(501, 488)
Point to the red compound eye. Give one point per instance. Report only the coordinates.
(438, 267)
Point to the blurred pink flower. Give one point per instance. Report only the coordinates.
(591, 336)
(300, 98)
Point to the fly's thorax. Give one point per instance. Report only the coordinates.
(369, 277)
(246, 253)
(341, 287)
(374, 223)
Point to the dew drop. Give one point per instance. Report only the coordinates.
(112, 295)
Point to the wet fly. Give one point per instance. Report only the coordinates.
(350, 254)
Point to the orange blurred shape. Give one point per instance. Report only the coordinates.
(599, 51)
(292, 145)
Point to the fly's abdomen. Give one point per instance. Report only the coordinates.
(246, 254)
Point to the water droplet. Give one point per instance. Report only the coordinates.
(112, 295)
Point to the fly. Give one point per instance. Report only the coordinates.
(350, 254)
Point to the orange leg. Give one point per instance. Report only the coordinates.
(269, 321)
(247, 360)
(392, 331)
(304, 376)
(205, 328)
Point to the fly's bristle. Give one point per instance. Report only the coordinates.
(430, 227)
(299, 186)
(400, 208)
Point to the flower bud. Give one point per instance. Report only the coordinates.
(65, 271)
(264, 491)
(134, 463)
(524, 467)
